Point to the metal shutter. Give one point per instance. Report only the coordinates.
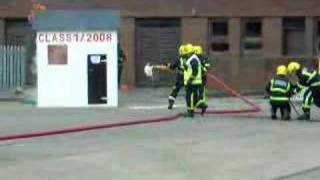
(157, 42)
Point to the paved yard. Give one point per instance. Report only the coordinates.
(215, 147)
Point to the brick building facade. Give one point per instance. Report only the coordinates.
(246, 39)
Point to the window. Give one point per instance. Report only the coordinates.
(216, 46)
(220, 28)
(293, 36)
(253, 28)
(57, 54)
(219, 35)
(251, 36)
(317, 37)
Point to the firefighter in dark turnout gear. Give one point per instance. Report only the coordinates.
(205, 64)
(280, 89)
(178, 66)
(192, 80)
(310, 80)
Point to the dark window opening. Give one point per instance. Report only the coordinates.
(253, 29)
(219, 35)
(317, 37)
(294, 23)
(251, 35)
(220, 47)
(220, 28)
(252, 45)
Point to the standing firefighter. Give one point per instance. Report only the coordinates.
(310, 80)
(280, 89)
(202, 102)
(177, 65)
(192, 80)
(121, 60)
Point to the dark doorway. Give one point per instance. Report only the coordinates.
(97, 83)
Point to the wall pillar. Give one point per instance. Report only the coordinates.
(2, 31)
(234, 50)
(127, 41)
(309, 37)
(195, 31)
(272, 37)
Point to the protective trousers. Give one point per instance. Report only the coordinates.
(192, 94)
(202, 101)
(176, 88)
(284, 107)
(311, 95)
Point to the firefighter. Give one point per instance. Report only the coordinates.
(178, 66)
(310, 80)
(192, 79)
(202, 103)
(279, 90)
(121, 59)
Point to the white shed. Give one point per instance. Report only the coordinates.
(77, 56)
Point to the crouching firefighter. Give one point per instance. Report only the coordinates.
(192, 80)
(178, 66)
(310, 80)
(205, 65)
(280, 89)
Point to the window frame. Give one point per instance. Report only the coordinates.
(247, 39)
(219, 38)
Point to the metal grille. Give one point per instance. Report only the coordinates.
(157, 43)
(12, 67)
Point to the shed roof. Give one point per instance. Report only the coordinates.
(77, 20)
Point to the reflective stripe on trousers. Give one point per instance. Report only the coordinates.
(281, 99)
(307, 99)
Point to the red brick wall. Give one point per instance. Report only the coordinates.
(161, 8)
(244, 73)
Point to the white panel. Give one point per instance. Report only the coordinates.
(67, 85)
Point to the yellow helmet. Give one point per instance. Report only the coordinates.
(282, 70)
(198, 50)
(181, 50)
(189, 49)
(293, 67)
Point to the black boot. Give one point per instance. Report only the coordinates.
(204, 109)
(273, 113)
(286, 118)
(189, 114)
(285, 115)
(171, 102)
(304, 116)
